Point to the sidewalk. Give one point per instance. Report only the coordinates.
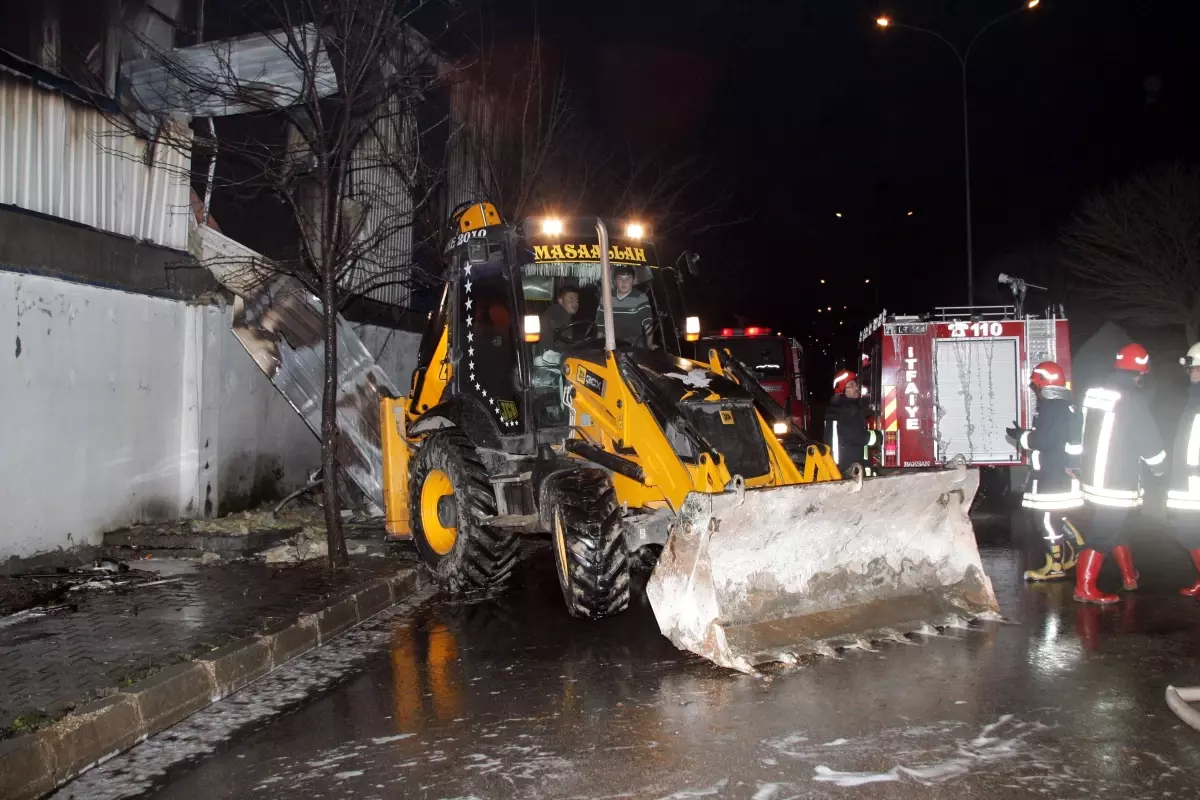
(81, 684)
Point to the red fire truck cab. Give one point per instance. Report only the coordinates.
(776, 360)
(948, 384)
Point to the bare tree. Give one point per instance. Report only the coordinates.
(534, 154)
(673, 190)
(330, 128)
(1135, 247)
(523, 144)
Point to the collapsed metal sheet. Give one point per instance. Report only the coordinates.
(280, 325)
(243, 75)
(770, 574)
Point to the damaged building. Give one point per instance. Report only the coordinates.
(125, 397)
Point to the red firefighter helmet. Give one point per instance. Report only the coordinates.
(841, 380)
(1134, 358)
(1048, 373)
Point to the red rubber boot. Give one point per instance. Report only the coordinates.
(1086, 572)
(1129, 576)
(1194, 589)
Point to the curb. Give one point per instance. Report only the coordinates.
(38, 763)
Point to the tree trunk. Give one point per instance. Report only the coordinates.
(329, 430)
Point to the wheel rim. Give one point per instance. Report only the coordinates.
(560, 544)
(439, 537)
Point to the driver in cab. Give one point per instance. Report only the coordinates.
(631, 310)
(560, 315)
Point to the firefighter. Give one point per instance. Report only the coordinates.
(1052, 444)
(846, 423)
(1183, 494)
(1119, 435)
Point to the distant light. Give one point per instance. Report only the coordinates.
(635, 230)
(779, 428)
(909, 214)
(552, 226)
(822, 280)
(883, 22)
(818, 311)
(868, 280)
(844, 308)
(829, 308)
(837, 214)
(842, 322)
(1033, 4)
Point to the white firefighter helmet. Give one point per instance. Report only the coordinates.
(1192, 359)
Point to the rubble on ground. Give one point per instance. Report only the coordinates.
(308, 545)
(54, 589)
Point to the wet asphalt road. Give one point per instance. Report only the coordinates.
(508, 697)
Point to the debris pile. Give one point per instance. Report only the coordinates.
(33, 594)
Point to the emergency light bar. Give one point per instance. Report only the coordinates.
(753, 330)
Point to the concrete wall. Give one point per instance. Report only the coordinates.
(118, 408)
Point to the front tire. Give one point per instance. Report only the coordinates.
(590, 554)
(449, 494)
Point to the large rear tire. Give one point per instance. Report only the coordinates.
(590, 553)
(449, 494)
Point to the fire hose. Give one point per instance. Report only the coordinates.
(1178, 701)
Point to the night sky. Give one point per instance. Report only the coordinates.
(806, 109)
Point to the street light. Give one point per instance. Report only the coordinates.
(963, 56)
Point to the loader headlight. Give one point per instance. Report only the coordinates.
(779, 428)
(635, 230)
(552, 226)
(691, 329)
(533, 328)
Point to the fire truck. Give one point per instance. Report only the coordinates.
(777, 361)
(948, 384)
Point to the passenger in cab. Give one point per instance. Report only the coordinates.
(631, 310)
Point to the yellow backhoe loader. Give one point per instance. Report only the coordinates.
(586, 424)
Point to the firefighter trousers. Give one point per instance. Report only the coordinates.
(1186, 527)
(1053, 528)
(1108, 528)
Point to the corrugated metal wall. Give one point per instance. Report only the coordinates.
(379, 187)
(469, 125)
(61, 158)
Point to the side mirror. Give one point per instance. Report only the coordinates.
(693, 263)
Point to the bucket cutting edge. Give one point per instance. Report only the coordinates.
(770, 574)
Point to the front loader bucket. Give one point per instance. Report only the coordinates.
(765, 575)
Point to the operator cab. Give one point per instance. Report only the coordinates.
(561, 285)
(527, 297)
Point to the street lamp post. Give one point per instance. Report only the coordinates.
(963, 57)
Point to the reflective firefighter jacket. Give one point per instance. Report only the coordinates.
(1184, 491)
(846, 432)
(1053, 445)
(1118, 435)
